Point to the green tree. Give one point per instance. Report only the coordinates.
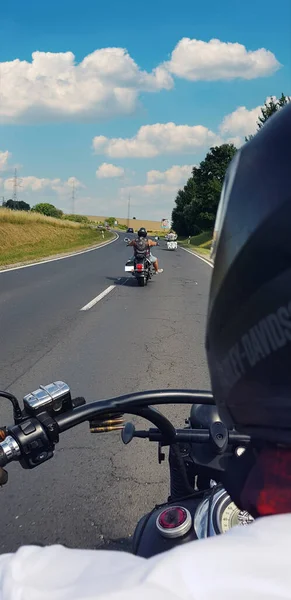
(111, 221)
(180, 215)
(208, 180)
(270, 108)
(16, 205)
(196, 204)
(49, 210)
(76, 218)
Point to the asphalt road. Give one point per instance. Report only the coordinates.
(93, 491)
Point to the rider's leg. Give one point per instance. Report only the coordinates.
(155, 264)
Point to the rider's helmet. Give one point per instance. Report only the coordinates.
(248, 339)
(142, 232)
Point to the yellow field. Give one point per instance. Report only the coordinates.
(21, 217)
(28, 236)
(134, 223)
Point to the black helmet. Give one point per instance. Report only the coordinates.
(248, 339)
(142, 232)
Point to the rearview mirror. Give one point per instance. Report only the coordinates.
(157, 238)
(126, 240)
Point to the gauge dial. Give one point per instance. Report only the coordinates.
(231, 516)
(220, 517)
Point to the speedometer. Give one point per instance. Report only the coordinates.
(218, 514)
(232, 516)
(229, 517)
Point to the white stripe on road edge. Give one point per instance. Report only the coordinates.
(48, 260)
(197, 256)
(98, 298)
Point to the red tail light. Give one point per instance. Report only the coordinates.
(139, 267)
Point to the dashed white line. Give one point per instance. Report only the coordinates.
(197, 256)
(98, 298)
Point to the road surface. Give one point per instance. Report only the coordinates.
(93, 491)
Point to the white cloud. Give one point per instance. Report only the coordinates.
(4, 158)
(240, 122)
(236, 140)
(174, 175)
(198, 60)
(160, 138)
(154, 190)
(107, 171)
(40, 184)
(106, 83)
(159, 192)
(149, 201)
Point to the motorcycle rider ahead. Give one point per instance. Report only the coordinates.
(248, 346)
(142, 235)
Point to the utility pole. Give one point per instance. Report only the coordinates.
(15, 185)
(73, 198)
(128, 212)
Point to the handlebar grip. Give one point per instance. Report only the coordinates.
(3, 458)
(9, 450)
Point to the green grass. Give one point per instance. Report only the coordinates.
(201, 243)
(26, 237)
(201, 238)
(206, 245)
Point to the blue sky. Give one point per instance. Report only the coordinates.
(51, 111)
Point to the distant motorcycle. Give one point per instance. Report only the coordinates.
(171, 240)
(140, 267)
(172, 245)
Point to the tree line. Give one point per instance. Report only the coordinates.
(49, 210)
(196, 204)
(44, 208)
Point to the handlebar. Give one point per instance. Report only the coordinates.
(50, 411)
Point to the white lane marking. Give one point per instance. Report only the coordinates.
(98, 298)
(48, 260)
(197, 256)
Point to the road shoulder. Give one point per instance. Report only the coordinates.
(60, 256)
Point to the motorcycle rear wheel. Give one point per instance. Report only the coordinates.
(141, 281)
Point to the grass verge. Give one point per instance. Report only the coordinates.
(26, 237)
(200, 244)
